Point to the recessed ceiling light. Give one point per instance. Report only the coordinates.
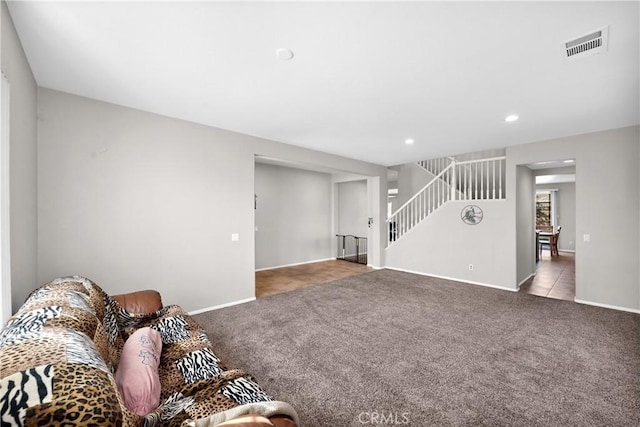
(284, 54)
(569, 161)
(409, 141)
(511, 118)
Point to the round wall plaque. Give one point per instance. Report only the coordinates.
(471, 214)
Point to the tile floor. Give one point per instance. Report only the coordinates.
(555, 277)
(271, 282)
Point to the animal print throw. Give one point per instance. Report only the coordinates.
(59, 354)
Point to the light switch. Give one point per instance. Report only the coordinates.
(235, 237)
(586, 237)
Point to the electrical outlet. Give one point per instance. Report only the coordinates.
(470, 267)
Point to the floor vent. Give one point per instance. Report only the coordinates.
(587, 45)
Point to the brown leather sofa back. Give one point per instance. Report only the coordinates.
(140, 302)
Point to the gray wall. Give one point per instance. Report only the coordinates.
(352, 208)
(23, 147)
(293, 216)
(566, 207)
(443, 245)
(607, 198)
(525, 223)
(411, 179)
(135, 200)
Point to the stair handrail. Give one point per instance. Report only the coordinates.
(451, 165)
(491, 159)
(434, 162)
(482, 182)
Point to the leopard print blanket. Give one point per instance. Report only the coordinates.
(59, 352)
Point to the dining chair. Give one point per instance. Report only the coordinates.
(553, 247)
(544, 241)
(548, 241)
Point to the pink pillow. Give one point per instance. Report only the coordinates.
(137, 375)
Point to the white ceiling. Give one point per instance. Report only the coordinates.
(365, 76)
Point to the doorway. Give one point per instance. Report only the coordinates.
(555, 277)
(298, 210)
(555, 213)
(352, 222)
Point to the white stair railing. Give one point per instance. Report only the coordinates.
(469, 180)
(423, 203)
(480, 179)
(435, 166)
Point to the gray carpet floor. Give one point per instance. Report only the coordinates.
(392, 348)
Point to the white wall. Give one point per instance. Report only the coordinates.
(566, 208)
(293, 216)
(377, 232)
(23, 174)
(135, 200)
(607, 198)
(444, 246)
(353, 208)
(525, 223)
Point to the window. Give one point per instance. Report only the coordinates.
(543, 210)
(546, 209)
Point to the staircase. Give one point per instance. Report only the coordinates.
(453, 180)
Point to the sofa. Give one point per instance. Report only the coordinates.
(60, 358)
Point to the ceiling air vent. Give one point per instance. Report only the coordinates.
(587, 45)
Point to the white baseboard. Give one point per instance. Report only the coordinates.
(453, 279)
(294, 264)
(527, 278)
(217, 307)
(612, 307)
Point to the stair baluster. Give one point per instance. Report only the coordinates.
(453, 180)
